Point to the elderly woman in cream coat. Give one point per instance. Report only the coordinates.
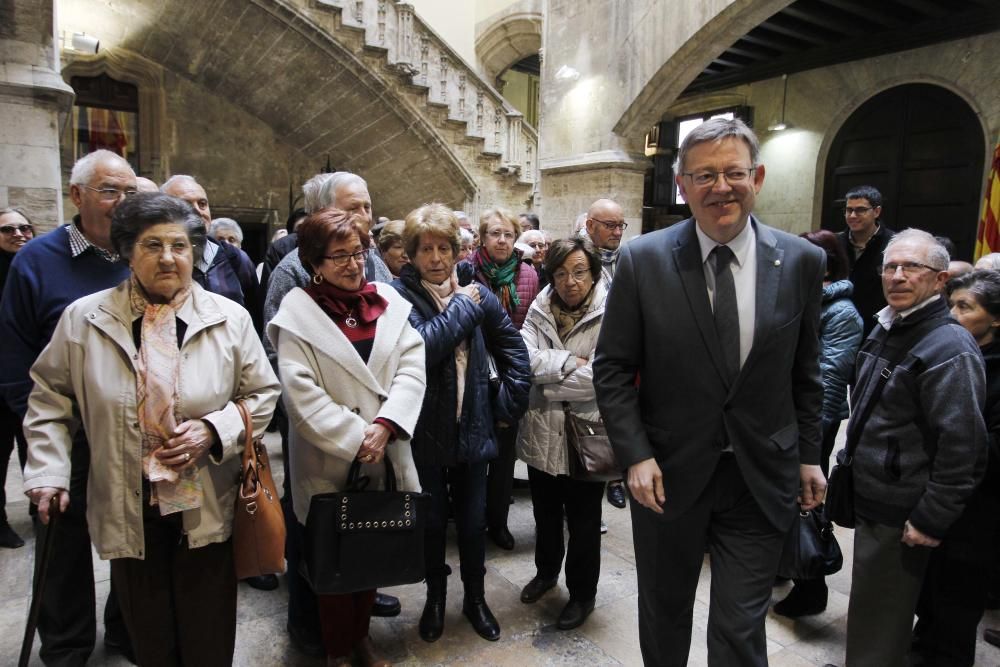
(152, 370)
(560, 332)
(352, 371)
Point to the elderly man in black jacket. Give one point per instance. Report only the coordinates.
(921, 450)
(463, 326)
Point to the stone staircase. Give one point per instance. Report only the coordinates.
(487, 134)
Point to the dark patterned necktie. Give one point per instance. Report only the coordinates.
(727, 317)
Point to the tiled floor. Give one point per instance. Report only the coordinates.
(609, 637)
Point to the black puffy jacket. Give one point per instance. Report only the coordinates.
(438, 438)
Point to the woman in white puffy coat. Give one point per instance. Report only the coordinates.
(560, 332)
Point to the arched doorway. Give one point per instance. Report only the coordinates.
(922, 146)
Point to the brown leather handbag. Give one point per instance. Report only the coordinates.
(258, 523)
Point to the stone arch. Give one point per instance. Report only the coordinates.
(310, 79)
(509, 36)
(148, 78)
(851, 105)
(681, 65)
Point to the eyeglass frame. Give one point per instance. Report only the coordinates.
(341, 261)
(181, 248)
(724, 173)
(104, 193)
(907, 267)
(25, 229)
(497, 234)
(857, 210)
(578, 276)
(611, 226)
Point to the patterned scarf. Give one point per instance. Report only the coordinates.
(500, 277)
(566, 318)
(156, 400)
(609, 261)
(365, 303)
(441, 294)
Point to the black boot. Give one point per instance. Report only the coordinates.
(432, 620)
(476, 610)
(807, 598)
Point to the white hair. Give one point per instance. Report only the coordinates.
(466, 235)
(310, 191)
(937, 254)
(328, 190)
(990, 261)
(176, 179)
(526, 236)
(226, 224)
(83, 170)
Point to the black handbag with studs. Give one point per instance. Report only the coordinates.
(359, 540)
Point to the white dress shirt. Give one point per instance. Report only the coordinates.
(744, 268)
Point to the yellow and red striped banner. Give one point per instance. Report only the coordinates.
(988, 236)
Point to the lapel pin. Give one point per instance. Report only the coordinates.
(777, 262)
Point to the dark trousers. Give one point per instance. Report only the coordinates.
(552, 497)
(179, 603)
(500, 481)
(950, 606)
(743, 549)
(67, 625)
(344, 620)
(10, 431)
(885, 585)
(467, 484)
(303, 612)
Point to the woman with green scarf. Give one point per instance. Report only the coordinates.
(498, 266)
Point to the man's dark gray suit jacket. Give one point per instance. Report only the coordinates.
(660, 375)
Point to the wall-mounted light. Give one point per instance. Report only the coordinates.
(781, 124)
(567, 73)
(85, 43)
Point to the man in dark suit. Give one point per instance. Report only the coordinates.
(707, 377)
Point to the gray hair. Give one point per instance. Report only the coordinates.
(528, 234)
(717, 129)
(310, 192)
(937, 255)
(990, 261)
(328, 191)
(177, 178)
(146, 209)
(466, 235)
(226, 224)
(83, 169)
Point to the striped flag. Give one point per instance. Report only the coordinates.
(988, 236)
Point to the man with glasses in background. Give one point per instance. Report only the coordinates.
(864, 240)
(47, 275)
(707, 377)
(605, 227)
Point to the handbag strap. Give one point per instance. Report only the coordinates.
(249, 451)
(358, 482)
(907, 340)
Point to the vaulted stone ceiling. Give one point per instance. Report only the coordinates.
(314, 91)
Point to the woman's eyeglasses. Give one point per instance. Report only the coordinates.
(340, 261)
(8, 230)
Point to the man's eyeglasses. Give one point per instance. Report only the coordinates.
(578, 276)
(856, 210)
(156, 247)
(340, 261)
(496, 235)
(612, 226)
(734, 176)
(8, 230)
(909, 268)
(538, 245)
(111, 194)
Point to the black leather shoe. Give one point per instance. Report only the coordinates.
(991, 636)
(616, 494)
(803, 600)
(574, 614)
(502, 537)
(8, 538)
(481, 618)
(386, 605)
(265, 582)
(536, 588)
(120, 645)
(305, 642)
(431, 624)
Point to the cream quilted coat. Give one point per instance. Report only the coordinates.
(555, 378)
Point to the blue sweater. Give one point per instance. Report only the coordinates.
(44, 278)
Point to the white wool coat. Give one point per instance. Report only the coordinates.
(331, 395)
(555, 378)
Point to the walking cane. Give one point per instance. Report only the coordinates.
(39, 584)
